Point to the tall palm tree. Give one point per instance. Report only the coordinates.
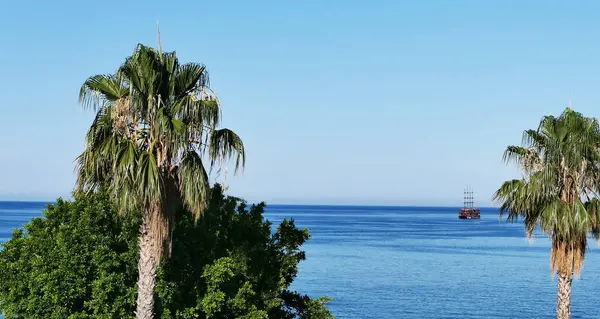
(558, 190)
(156, 119)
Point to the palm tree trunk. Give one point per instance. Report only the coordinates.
(147, 273)
(563, 303)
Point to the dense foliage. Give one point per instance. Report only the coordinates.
(80, 261)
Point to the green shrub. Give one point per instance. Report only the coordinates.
(80, 261)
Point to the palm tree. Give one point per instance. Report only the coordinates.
(558, 191)
(156, 119)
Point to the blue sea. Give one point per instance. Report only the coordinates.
(416, 262)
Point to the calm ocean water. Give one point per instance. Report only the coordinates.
(416, 262)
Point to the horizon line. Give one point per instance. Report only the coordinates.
(283, 204)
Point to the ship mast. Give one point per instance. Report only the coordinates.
(468, 199)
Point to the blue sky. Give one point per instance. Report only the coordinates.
(338, 102)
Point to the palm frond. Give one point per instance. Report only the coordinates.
(226, 144)
(101, 87)
(148, 177)
(193, 183)
(535, 140)
(189, 77)
(593, 208)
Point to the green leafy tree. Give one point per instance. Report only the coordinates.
(559, 161)
(155, 120)
(230, 265)
(79, 261)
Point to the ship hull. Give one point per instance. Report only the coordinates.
(469, 217)
(469, 214)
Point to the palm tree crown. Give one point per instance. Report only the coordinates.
(155, 121)
(560, 165)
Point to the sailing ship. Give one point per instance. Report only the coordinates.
(469, 211)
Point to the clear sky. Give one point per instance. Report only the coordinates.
(338, 102)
